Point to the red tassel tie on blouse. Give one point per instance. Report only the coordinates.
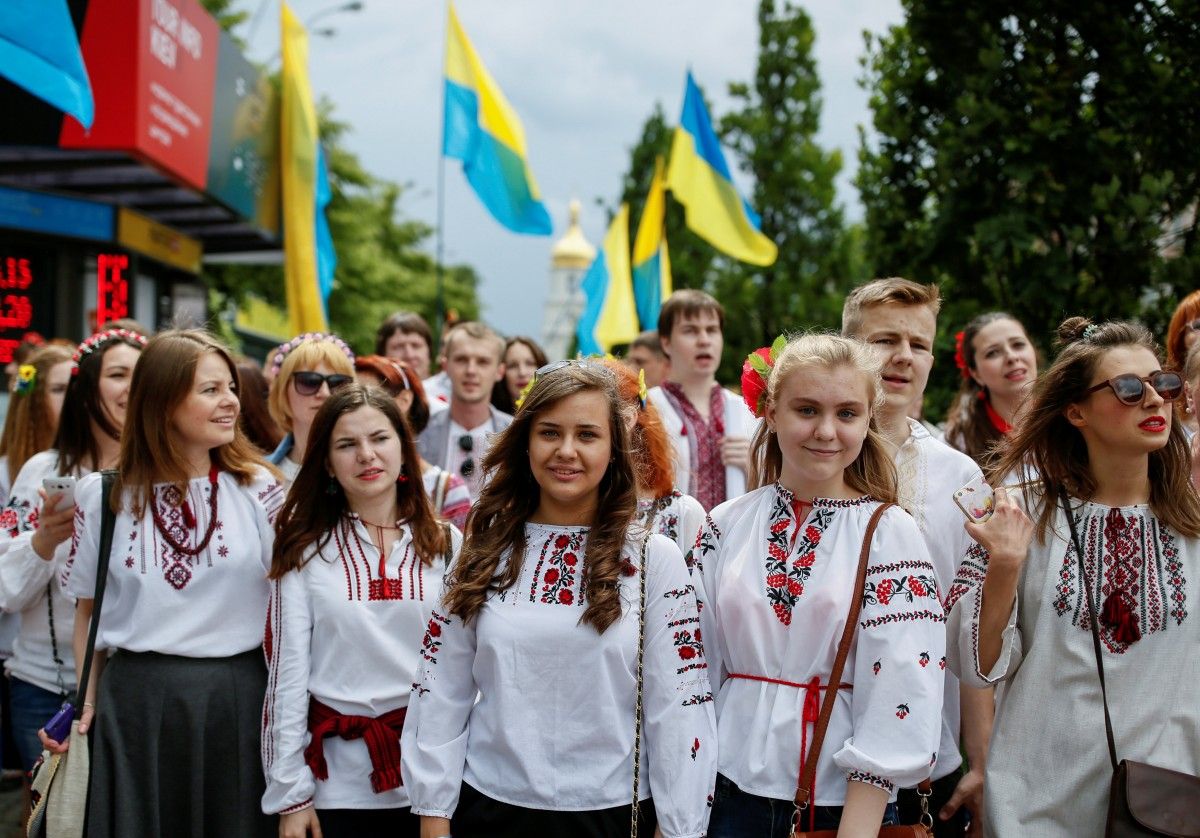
(1119, 616)
(382, 737)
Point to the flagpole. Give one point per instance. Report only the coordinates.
(440, 304)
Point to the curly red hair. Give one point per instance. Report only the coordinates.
(1186, 312)
(651, 448)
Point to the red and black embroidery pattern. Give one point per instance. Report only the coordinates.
(432, 642)
(706, 542)
(871, 780)
(690, 650)
(1132, 565)
(909, 588)
(785, 582)
(970, 575)
(18, 516)
(558, 569)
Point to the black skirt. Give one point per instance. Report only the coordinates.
(175, 751)
(479, 815)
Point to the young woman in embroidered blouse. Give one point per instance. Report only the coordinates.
(540, 621)
(33, 410)
(176, 746)
(35, 531)
(662, 508)
(779, 566)
(304, 372)
(358, 563)
(1101, 431)
(448, 491)
(998, 364)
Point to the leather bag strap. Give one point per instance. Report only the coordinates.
(108, 519)
(808, 773)
(1091, 606)
(637, 708)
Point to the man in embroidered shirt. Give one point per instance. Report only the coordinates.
(457, 439)
(709, 426)
(899, 318)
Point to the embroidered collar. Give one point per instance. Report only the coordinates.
(829, 503)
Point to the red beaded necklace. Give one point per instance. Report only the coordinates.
(189, 519)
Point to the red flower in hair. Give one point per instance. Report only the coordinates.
(960, 358)
(754, 382)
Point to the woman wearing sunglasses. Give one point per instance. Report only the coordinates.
(523, 719)
(304, 372)
(1113, 469)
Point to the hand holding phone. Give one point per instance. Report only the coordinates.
(64, 486)
(976, 500)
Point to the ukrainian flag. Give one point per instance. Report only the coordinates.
(699, 179)
(299, 164)
(609, 316)
(651, 264)
(482, 130)
(40, 53)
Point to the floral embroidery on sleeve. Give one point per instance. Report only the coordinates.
(432, 641)
(971, 573)
(871, 780)
(706, 543)
(18, 516)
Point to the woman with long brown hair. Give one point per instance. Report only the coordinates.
(33, 410)
(1111, 548)
(779, 566)
(998, 365)
(541, 621)
(35, 525)
(358, 562)
(448, 491)
(179, 648)
(662, 508)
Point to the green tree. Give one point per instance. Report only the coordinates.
(774, 133)
(1038, 157)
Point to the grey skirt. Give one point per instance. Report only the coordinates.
(175, 750)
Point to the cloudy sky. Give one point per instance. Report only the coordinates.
(582, 75)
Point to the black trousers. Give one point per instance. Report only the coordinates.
(479, 815)
(369, 823)
(910, 807)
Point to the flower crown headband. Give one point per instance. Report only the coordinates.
(285, 349)
(755, 372)
(99, 339)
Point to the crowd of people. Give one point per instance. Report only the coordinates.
(465, 589)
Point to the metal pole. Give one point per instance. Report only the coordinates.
(440, 310)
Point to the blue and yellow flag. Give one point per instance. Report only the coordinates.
(483, 131)
(39, 52)
(298, 137)
(651, 264)
(326, 253)
(609, 316)
(699, 179)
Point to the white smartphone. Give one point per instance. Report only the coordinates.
(976, 500)
(64, 486)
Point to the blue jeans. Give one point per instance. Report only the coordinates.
(32, 707)
(739, 814)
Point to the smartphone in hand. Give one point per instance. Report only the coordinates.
(976, 500)
(64, 486)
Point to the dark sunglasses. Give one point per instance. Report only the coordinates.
(1130, 389)
(308, 383)
(466, 443)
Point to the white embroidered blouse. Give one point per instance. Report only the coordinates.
(778, 590)
(553, 725)
(30, 587)
(1049, 710)
(677, 516)
(346, 631)
(159, 600)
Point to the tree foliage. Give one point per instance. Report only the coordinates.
(773, 134)
(1037, 157)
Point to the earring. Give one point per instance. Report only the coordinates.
(403, 478)
(332, 488)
